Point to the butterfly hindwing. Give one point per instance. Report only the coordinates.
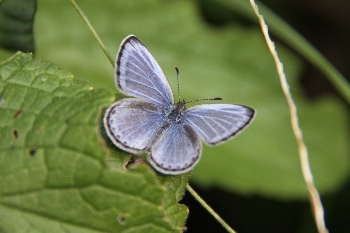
(216, 123)
(177, 152)
(138, 74)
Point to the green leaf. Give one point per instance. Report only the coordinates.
(53, 171)
(16, 24)
(233, 63)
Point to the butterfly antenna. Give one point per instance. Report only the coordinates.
(178, 83)
(217, 98)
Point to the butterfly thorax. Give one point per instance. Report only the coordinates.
(176, 112)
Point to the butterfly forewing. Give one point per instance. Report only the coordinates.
(132, 123)
(138, 74)
(216, 123)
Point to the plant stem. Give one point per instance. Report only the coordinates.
(209, 209)
(92, 30)
(303, 154)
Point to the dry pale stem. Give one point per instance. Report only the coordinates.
(303, 154)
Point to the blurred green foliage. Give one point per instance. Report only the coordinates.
(231, 62)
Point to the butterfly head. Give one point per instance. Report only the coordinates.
(181, 105)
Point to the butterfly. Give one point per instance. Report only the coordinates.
(152, 122)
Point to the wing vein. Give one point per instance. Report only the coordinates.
(152, 65)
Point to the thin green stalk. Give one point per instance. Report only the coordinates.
(209, 209)
(92, 30)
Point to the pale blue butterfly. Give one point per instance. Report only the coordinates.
(152, 122)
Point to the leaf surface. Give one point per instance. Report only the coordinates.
(53, 171)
